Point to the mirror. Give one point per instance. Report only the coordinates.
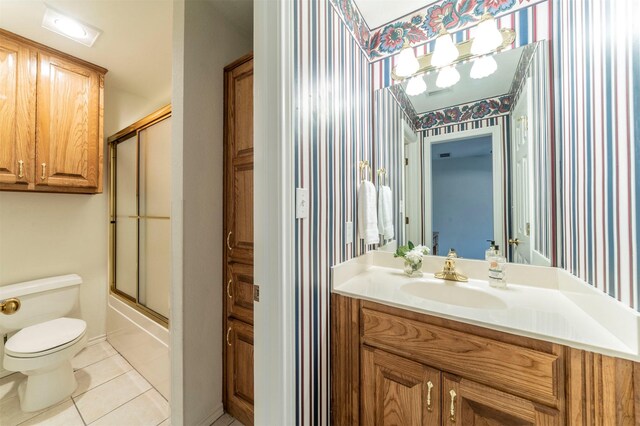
(474, 160)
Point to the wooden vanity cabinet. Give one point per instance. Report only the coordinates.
(389, 366)
(51, 122)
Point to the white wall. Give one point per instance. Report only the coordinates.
(203, 44)
(52, 234)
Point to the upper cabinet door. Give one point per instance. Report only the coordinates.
(69, 135)
(239, 162)
(17, 114)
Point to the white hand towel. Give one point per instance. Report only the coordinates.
(367, 217)
(385, 212)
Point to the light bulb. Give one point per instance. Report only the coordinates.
(483, 67)
(407, 63)
(445, 51)
(70, 28)
(488, 37)
(447, 77)
(416, 86)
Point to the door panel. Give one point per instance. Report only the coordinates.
(471, 404)
(68, 141)
(240, 291)
(240, 371)
(17, 113)
(397, 391)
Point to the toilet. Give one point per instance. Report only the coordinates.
(41, 339)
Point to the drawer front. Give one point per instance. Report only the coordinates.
(521, 371)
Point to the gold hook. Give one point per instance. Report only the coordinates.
(363, 174)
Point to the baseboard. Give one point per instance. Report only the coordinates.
(96, 339)
(213, 417)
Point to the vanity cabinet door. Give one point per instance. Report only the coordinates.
(468, 403)
(69, 137)
(240, 371)
(397, 391)
(17, 114)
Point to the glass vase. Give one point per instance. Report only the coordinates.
(413, 269)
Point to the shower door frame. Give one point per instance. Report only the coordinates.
(123, 135)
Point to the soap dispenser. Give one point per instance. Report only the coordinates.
(491, 251)
(497, 264)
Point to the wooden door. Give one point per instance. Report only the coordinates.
(238, 244)
(239, 157)
(397, 391)
(17, 114)
(468, 403)
(521, 192)
(69, 136)
(239, 350)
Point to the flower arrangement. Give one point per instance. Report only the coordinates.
(412, 256)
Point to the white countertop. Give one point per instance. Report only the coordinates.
(539, 302)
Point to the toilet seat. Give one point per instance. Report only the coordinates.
(45, 338)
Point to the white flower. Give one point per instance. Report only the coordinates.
(422, 249)
(414, 256)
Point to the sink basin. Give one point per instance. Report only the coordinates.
(454, 294)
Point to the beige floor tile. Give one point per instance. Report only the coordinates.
(11, 415)
(150, 408)
(100, 372)
(166, 423)
(224, 420)
(108, 396)
(92, 354)
(9, 385)
(236, 423)
(64, 414)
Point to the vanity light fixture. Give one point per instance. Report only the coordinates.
(488, 37)
(445, 51)
(416, 86)
(483, 67)
(71, 28)
(447, 77)
(407, 62)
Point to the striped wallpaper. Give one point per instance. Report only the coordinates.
(597, 83)
(596, 65)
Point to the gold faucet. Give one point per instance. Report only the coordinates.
(449, 271)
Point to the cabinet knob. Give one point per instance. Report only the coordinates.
(229, 289)
(20, 169)
(228, 333)
(44, 171)
(229, 240)
(429, 387)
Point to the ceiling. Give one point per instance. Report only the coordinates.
(376, 13)
(468, 89)
(135, 45)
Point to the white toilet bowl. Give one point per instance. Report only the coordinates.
(43, 352)
(42, 340)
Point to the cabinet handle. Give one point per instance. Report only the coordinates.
(228, 240)
(229, 289)
(228, 332)
(452, 411)
(44, 171)
(20, 169)
(429, 386)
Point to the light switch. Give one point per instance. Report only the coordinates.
(302, 203)
(348, 232)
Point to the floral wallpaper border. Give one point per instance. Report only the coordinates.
(406, 105)
(421, 26)
(485, 108)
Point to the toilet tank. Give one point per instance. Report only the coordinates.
(41, 300)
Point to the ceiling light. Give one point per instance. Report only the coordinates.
(445, 51)
(447, 77)
(61, 24)
(483, 67)
(416, 86)
(407, 62)
(488, 37)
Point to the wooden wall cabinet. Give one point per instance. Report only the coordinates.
(51, 119)
(391, 366)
